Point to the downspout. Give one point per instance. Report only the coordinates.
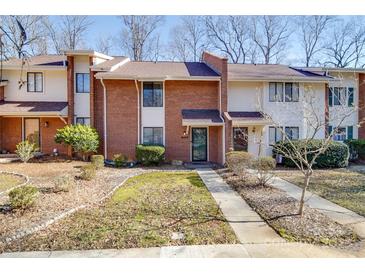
(138, 112)
(104, 109)
(224, 125)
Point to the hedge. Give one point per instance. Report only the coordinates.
(335, 156)
(357, 149)
(150, 155)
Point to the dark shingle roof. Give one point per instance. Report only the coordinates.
(12, 106)
(40, 60)
(245, 114)
(202, 114)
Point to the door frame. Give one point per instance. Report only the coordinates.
(24, 129)
(191, 143)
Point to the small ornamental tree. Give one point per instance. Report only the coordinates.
(82, 138)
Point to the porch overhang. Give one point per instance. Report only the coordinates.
(201, 117)
(33, 109)
(246, 118)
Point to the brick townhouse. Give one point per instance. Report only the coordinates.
(197, 110)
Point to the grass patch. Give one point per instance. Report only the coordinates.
(341, 186)
(144, 212)
(8, 181)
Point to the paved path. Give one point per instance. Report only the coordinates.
(246, 223)
(338, 213)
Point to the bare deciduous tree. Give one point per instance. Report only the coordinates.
(104, 44)
(138, 37)
(346, 44)
(188, 39)
(311, 30)
(270, 33)
(25, 39)
(230, 36)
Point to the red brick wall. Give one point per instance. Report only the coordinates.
(362, 105)
(48, 133)
(99, 112)
(11, 133)
(187, 95)
(121, 117)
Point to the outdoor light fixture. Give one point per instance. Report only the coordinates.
(46, 124)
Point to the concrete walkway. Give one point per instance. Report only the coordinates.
(337, 213)
(271, 250)
(246, 223)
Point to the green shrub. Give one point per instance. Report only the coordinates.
(23, 197)
(63, 183)
(335, 156)
(88, 172)
(150, 155)
(82, 138)
(26, 150)
(238, 161)
(97, 161)
(356, 148)
(120, 160)
(265, 168)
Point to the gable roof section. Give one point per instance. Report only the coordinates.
(110, 65)
(251, 72)
(32, 108)
(161, 70)
(50, 60)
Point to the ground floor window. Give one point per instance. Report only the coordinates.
(83, 120)
(153, 135)
(240, 138)
(342, 133)
(31, 130)
(292, 133)
(275, 134)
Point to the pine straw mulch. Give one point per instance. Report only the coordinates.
(280, 211)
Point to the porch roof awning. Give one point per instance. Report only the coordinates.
(246, 118)
(208, 117)
(12, 108)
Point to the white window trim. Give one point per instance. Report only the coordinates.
(292, 82)
(43, 82)
(346, 104)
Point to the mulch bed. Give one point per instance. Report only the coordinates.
(280, 211)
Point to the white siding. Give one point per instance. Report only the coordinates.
(54, 86)
(244, 96)
(82, 100)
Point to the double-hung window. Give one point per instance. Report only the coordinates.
(338, 96)
(342, 133)
(276, 92)
(153, 136)
(275, 134)
(34, 82)
(283, 92)
(292, 133)
(291, 92)
(152, 94)
(83, 120)
(82, 83)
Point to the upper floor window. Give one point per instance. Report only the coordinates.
(280, 92)
(152, 94)
(35, 82)
(82, 83)
(338, 96)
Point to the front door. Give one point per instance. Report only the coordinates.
(31, 130)
(199, 144)
(240, 138)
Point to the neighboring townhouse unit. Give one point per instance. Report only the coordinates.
(197, 110)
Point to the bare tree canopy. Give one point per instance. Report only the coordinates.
(346, 44)
(188, 39)
(104, 44)
(270, 33)
(229, 35)
(139, 38)
(29, 39)
(311, 31)
(68, 33)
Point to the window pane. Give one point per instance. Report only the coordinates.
(342, 95)
(288, 92)
(86, 82)
(147, 94)
(295, 92)
(272, 92)
(351, 97)
(295, 133)
(336, 96)
(39, 82)
(148, 135)
(279, 92)
(157, 136)
(79, 82)
(272, 135)
(30, 82)
(279, 134)
(157, 95)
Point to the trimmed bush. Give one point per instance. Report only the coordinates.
(97, 161)
(238, 161)
(120, 160)
(88, 172)
(150, 155)
(336, 155)
(63, 183)
(265, 167)
(26, 151)
(23, 197)
(356, 148)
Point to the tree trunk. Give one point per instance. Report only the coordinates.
(301, 202)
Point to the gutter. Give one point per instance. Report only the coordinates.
(104, 110)
(138, 113)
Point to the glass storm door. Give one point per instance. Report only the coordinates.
(31, 130)
(199, 144)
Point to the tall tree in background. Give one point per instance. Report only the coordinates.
(229, 35)
(139, 37)
(346, 44)
(68, 33)
(18, 44)
(104, 44)
(188, 39)
(311, 30)
(270, 33)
